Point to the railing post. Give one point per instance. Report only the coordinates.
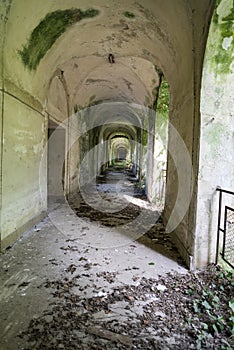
(219, 220)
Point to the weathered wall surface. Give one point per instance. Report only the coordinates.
(4, 9)
(56, 158)
(23, 190)
(217, 129)
(185, 118)
(153, 33)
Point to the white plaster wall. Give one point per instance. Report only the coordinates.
(56, 100)
(73, 154)
(24, 138)
(216, 158)
(216, 149)
(56, 158)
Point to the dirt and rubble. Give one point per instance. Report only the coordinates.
(61, 289)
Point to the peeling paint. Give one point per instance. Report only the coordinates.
(22, 134)
(37, 149)
(20, 149)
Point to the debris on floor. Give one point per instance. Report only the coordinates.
(62, 290)
(176, 311)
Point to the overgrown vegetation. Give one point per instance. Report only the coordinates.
(222, 28)
(129, 14)
(163, 98)
(122, 164)
(48, 31)
(189, 311)
(144, 137)
(213, 311)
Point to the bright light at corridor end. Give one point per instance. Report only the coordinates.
(121, 113)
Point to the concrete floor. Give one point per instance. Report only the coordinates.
(60, 243)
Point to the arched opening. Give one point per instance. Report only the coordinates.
(55, 162)
(86, 92)
(114, 109)
(121, 153)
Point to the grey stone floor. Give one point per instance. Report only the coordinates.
(63, 244)
(45, 253)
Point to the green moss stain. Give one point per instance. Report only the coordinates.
(76, 108)
(91, 100)
(214, 136)
(215, 18)
(129, 14)
(144, 137)
(222, 27)
(146, 52)
(48, 31)
(230, 17)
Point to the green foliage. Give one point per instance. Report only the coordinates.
(231, 321)
(144, 137)
(215, 14)
(92, 98)
(129, 14)
(163, 98)
(230, 17)
(48, 31)
(221, 28)
(210, 321)
(214, 137)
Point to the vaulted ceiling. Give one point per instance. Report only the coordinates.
(144, 37)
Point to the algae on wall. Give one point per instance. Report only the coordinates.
(222, 38)
(129, 14)
(48, 31)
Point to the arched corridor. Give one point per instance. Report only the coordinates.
(116, 130)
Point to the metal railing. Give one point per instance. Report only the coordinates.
(227, 251)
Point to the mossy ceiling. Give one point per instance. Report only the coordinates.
(156, 32)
